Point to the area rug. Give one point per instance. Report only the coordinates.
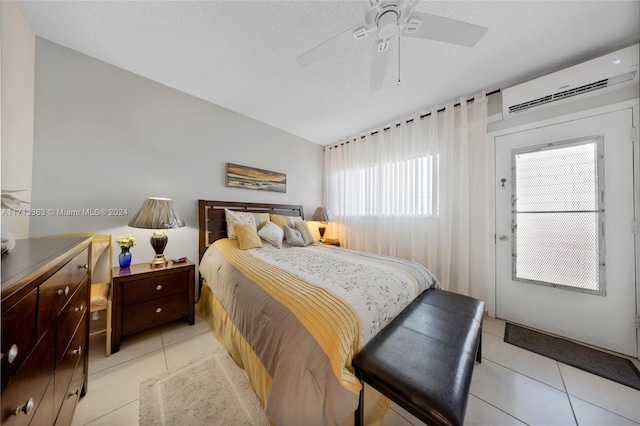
(212, 391)
(603, 364)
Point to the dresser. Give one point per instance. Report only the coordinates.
(146, 296)
(45, 330)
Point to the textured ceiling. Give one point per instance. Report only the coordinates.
(241, 54)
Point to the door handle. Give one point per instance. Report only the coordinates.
(503, 237)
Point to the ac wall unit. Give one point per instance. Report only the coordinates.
(609, 72)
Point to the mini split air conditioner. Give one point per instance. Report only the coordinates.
(609, 72)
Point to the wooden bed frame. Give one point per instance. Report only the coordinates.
(213, 226)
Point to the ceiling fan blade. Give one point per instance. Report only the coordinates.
(381, 52)
(438, 28)
(342, 40)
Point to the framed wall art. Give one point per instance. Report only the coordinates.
(251, 178)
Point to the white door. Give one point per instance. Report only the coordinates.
(565, 259)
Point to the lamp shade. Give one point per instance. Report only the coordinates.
(157, 213)
(322, 214)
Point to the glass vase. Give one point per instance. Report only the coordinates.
(124, 257)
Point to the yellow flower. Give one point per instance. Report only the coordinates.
(126, 241)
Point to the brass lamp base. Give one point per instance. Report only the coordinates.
(159, 261)
(159, 242)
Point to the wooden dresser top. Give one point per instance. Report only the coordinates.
(34, 257)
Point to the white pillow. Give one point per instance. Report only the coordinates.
(234, 218)
(272, 233)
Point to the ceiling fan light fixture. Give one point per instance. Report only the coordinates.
(388, 23)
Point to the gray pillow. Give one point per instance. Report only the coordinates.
(303, 228)
(293, 237)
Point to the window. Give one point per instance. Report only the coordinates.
(403, 188)
(558, 215)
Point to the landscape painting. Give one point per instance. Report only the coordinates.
(251, 178)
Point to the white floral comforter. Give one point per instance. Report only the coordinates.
(377, 287)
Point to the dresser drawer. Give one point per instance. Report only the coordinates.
(155, 287)
(56, 292)
(28, 386)
(45, 412)
(69, 319)
(154, 312)
(71, 397)
(68, 363)
(18, 334)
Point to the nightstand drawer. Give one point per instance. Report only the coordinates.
(154, 312)
(142, 290)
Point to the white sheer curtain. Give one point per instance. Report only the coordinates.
(419, 191)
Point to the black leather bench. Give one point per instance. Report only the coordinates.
(424, 359)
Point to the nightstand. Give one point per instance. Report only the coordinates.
(145, 297)
(332, 243)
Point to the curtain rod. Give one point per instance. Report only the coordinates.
(410, 120)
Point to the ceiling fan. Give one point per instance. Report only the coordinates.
(386, 19)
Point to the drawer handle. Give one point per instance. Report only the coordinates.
(65, 291)
(77, 351)
(85, 266)
(158, 310)
(159, 287)
(79, 308)
(26, 408)
(12, 354)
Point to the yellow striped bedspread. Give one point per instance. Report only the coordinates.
(304, 312)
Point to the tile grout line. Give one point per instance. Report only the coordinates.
(123, 362)
(525, 375)
(604, 409)
(110, 412)
(566, 391)
(497, 408)
(164, 352)
(400, 414)
(569, 395)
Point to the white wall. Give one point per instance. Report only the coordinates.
(107, 139)
(18, 56)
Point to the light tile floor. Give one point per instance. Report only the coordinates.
(510, 387)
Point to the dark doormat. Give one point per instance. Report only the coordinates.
(603, 364)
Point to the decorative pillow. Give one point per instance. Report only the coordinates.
(247, 236)
(307, 235)
(234, 218)
(283, 221)
(272, 233)
(293, 237)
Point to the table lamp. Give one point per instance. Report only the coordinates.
(158, 214)
(322, 214)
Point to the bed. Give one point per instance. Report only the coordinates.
(294, 317)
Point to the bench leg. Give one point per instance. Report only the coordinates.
(479, 350)
(358, 417)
